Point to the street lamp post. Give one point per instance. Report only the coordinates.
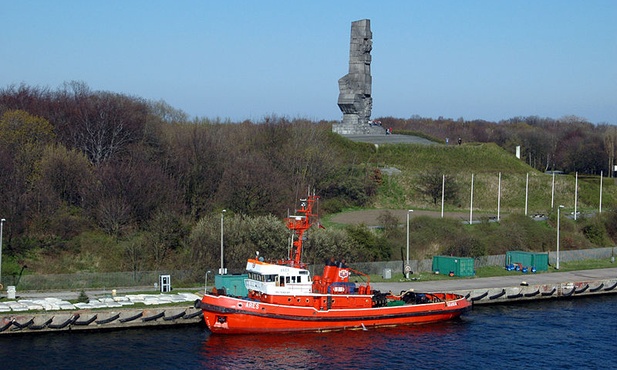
(1, 224)
(222, 272)
(407, 267)
(558, 214)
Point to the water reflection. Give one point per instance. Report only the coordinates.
(357, 348)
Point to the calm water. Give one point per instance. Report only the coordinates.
(568, 334)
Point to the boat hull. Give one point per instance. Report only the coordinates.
(230, 315)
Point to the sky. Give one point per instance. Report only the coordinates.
(237, 60)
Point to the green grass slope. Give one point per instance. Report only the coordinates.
(485, 161)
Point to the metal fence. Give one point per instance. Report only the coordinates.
(494, 260)
(191, 278)
(108, 280)
(583, 254)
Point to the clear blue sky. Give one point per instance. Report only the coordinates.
(240, 60)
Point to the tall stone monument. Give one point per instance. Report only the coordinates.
(354, 98)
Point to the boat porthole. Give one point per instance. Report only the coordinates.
(307, 300)
(239, 304)
(288, 299)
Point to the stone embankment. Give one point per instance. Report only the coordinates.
(526, 292)
(131, 311)
(518, 287)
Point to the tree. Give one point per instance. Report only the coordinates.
(60, 186)
(65, 173)
(22, 139)
(610, 141)
(323, 244)
(134, 255)
(195, 157)
(204, 242)
(370, 246)
(19, 128)
(243, 236)
(167, 233)
(166, 112)
(101, 124)
(467, 247)
(390, 224)
(250, 185)
(431, 183)
(129, 193)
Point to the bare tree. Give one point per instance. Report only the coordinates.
(431, 183)
(610, 140)
(101, 124)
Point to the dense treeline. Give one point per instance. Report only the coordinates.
(569, 144)
(75, 161)
(101, 181)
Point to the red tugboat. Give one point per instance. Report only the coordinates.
(282, 297)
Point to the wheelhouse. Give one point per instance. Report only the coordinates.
(276, 279)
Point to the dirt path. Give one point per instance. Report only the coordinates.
(370, 217)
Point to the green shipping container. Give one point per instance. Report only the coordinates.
(459, 266)
(528, 259)
(233, 284)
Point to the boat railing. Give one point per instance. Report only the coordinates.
(367, 277)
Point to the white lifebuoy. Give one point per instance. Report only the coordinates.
(343, 274)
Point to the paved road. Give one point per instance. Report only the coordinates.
(499, 281)
(72, 295)
(371, 216)
(389, 139)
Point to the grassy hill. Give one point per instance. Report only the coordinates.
(431, 235)
(485, 162)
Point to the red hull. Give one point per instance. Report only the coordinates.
(229, 315)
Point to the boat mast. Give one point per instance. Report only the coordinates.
(299, 223)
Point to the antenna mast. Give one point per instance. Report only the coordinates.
(299, 224)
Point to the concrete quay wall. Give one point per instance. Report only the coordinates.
(82, 320)
(517, 287)
(538, 292)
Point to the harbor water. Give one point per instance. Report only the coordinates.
(565, 334)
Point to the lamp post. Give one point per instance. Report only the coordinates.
(222, 272)
(1, 223)
(407, 267)
(206, 284)
(558, 214)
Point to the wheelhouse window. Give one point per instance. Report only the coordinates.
(296, 279)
